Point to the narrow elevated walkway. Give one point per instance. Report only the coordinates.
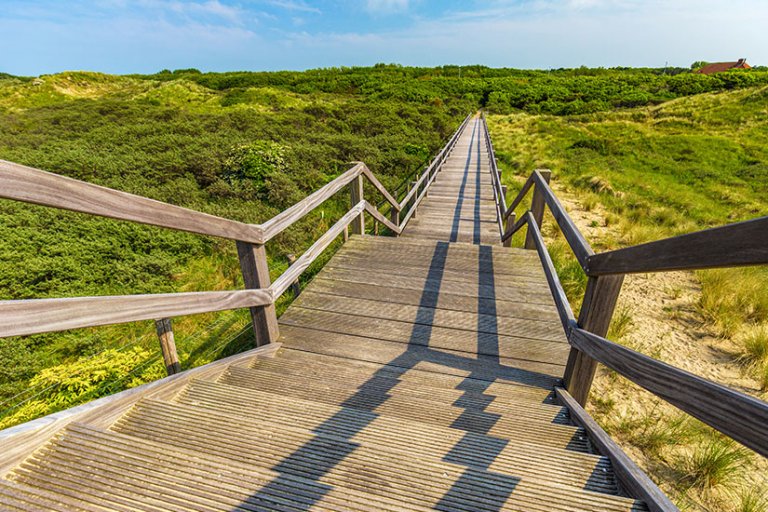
(415, 373)
(460, 205)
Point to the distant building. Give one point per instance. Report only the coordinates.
(718, 67)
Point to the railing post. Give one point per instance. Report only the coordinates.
(595, 316)
(295, 286)
(510, 223)
(356, 195)
(537, 209)
(253, 264)
(415, 197)
(168, 345)
(394, 217)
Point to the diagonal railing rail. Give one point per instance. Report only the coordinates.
(735, 414)
(26, 184)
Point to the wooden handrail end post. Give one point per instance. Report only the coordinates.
(168, 345)
(253, 264)
(537, 208)
(597, 309)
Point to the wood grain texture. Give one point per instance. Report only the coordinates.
(739, 416)
(168, 345)
(255, 270)
(520, 196)
(597, 309)
(31, 185)
(629, 474)
(567, 318)
(19, 441)
(283, 282)
(739, 244)
(24, 317)
(286, 218)
(579, 245)
(381, 188)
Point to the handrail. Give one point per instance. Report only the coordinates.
(498, 190)
(34, 316)
(30, 185)
(735, 414)
(733, 245)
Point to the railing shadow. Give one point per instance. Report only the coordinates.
(477, 488)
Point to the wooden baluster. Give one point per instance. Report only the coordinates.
(295, 286)
(168, 345)
(510, 223)
(394, 216)
(356, 195)
(253, 264)
(415, 197)
(595, 316)
(537, 209)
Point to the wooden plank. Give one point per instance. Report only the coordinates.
(739, 416)
(442, 299)
(356, 195)
(540, 355)
(486, 321)
(537, 204)
(284, 219)
(19, 441)
(532, 281)
(520, 196)
(632, 478)
(283, 282)
(395, 280)
(22, 183)
(561, 300)
(597, 308)
(579, 245)
(381, 188)
(24, 317)
(412, 356)
(733, 245)
(255, 270)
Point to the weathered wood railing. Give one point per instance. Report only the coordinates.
(735, 414)
(33, 316)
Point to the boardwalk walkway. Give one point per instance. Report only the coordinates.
(414, 373)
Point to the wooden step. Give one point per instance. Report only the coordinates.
(405, 474)
(233, 398)
(540, 359)
(382, 396)
(416, 378)
(114, 471)
(424, 357)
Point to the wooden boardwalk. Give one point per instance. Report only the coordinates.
(413, 373)
(460, 205)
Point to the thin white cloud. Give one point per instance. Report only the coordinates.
(294, 5)
(387, 6)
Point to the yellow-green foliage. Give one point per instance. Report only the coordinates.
(89, 377)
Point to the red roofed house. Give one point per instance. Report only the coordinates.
(718, 67)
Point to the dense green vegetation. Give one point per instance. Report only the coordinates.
(246, 145)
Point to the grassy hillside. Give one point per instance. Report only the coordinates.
(246, 145)
(642, 174)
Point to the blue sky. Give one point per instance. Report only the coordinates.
(136, 36)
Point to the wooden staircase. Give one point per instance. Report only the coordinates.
(419, 372)
(382, 397)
